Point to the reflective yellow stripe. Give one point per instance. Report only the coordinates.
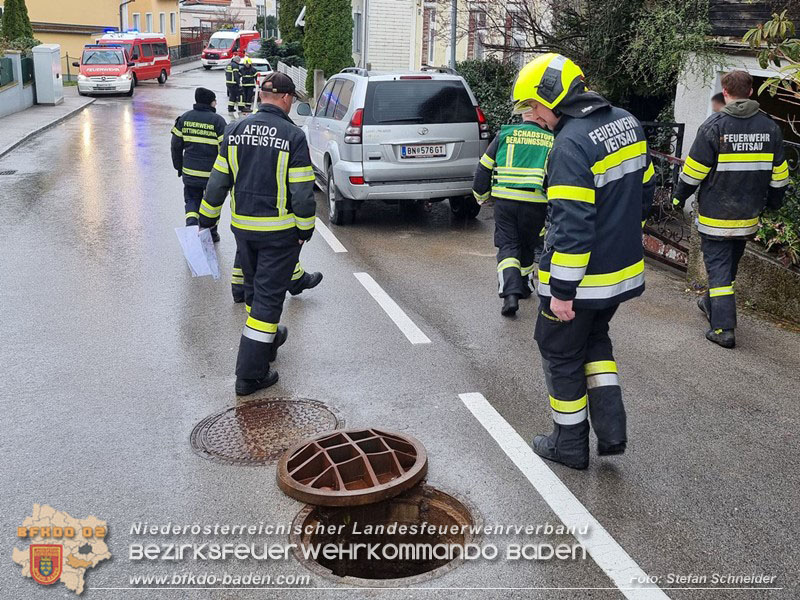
(221, 165)
(246, 223)
(305, 223)
(697, 166)
(726, 290)
(233, 160)
(510, 155)
(262, 326)
(570, 260)
(298, 272)
(177, 132)
(694, 173)
(519, 171)
(220, 138)
(195, 173)
(780, 176)
(237, 271)
(212, 212)
(487, 161)
(192, 215)
(570, 192)
(280, 177)
(727, 223)
(480, 197)
(602, 279)
(201, 140)
(648, 174)
(508, 263)
(568, 406)
(499, 191)
(600, 366)
(526, 270)
(616, 158)
(752, 157)
(301, 174)
(247, 308)
(781, 168)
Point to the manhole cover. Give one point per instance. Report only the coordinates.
(259, 432)
(350, 468)
(414, 537)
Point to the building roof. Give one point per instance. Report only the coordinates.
(41, 27)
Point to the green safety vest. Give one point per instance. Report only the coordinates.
(520, 162)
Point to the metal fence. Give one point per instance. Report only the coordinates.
(27, 69)
(297, 74)
(186, 51)
(6, 71)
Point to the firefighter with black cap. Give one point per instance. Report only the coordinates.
(512, 173)
(195, 144)
(265, 165)
(248, 85)
(233, 82)
(737, 161)
(600, 184)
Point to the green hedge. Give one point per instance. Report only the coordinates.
(327, 41)
(780, 229)
(491, 81)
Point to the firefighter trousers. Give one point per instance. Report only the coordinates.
(247, 96)
(581, 374)
(234, 93)
(237, 279)
(192, 197)
(722, 256)
(517, 228)
(267, 267)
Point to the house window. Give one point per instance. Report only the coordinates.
(172, 20)
(148, 22)
(431, 36)
(477, 31)
(356, 32)
(162, 22)
(137, 21)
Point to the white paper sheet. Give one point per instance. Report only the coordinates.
(198, 248)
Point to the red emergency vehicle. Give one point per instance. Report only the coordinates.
(104, 69)
(148, 52)
(223, 45)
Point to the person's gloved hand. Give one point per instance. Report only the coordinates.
(180, 174)
(678, 204)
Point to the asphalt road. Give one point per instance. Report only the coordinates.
(112, 353)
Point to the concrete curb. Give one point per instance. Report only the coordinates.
(45, 127)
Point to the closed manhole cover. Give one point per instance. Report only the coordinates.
(259, 432)
(352, 468)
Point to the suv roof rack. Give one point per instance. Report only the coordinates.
(447, 70)
(355, 71)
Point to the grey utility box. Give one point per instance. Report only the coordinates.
(47, 73)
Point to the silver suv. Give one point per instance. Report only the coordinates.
(398, 137)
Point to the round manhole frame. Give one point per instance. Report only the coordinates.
(356, 439)
(206, 423)
(296, 539)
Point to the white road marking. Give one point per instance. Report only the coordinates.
(603, 548)
(396, 314)
(328, 236)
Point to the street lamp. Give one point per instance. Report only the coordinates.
(121, 6)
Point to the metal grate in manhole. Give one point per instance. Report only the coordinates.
(10, 172)
(259, 432)
(352, 468)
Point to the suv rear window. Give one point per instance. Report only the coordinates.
(418, 101)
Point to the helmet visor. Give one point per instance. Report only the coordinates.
(522, 106)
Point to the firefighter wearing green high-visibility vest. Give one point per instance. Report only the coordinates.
(512, 173)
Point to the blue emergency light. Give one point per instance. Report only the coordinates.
(110, 30)
(103, 46)
(131, 31)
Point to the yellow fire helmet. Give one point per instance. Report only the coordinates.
(248, 60)
(546, 79)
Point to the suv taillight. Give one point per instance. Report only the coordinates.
(352, 135)
(482, 124)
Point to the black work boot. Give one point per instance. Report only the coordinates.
(245, 387)
(306, 282)
(238, 298)
(568, 445)
(704, 304)
(510, 305)
(280, 339)
(722, 337)
(608, 421)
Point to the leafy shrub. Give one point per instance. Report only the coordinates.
(290, 53)
(491, 81)
(327, 42)
(780, 229)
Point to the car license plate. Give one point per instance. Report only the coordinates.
(104, 86)
(421, 151)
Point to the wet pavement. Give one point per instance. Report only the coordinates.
(112, 353)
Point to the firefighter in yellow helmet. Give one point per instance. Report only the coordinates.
(600, 185)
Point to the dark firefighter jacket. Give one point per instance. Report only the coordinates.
(600, 185)
(247, 76)
(233, 76)
(195, 144)
(738, 162)
(513, 165)
(264, 162)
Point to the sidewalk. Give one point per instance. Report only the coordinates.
(189, 66)
(25, 124)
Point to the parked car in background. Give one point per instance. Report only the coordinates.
(262, 67)
(223, 45)
(397, 137)
(104, 69)
(148, 52)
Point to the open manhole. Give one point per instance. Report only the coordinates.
(349, 468)
(259, 432)
(414, 537)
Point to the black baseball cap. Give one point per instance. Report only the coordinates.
(278, 83)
